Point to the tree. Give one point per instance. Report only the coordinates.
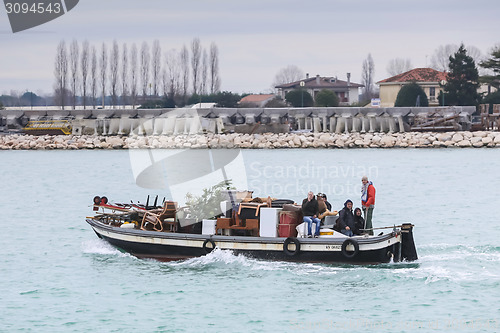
(492, 64)
(367, 74)
(125, 74)
(214, 69)
(61, 74)
(103, 62)
(84, 68)
(440, 59)
(411, 94)
(226, 99)
(144, 68)
(74, 57)
(173, 73)
(156, 66)
(326, 98)
(133, 74)
(398, 66)
(299, 98)
(290, 73)
(113, 67)
(93, 75)
(184, 59)
(196, 64)
(462, 82)
(204, 72)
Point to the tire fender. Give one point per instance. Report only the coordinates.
(287, 242)
(206, 248)
(350, 254)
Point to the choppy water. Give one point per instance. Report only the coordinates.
(56, 276)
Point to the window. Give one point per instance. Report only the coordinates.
(432, 93)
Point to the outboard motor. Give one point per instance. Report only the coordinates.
(408, 250)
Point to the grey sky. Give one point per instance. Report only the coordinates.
(257, 38)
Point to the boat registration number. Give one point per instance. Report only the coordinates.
(333, 247)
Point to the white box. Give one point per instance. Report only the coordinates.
(269, 220)
(208, 227)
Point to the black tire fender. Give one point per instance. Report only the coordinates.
(208, 249)
(287, 242)
(350, 254)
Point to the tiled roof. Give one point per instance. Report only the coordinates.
(256, 98)
(324, 82)
(418, 75)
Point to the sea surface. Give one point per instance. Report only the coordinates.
(57, 276)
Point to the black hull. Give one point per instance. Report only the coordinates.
(171, 246)
(171, 253)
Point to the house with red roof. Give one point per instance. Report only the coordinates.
(347, 91)
(256, 100)
(429, 79)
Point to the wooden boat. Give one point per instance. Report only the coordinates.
(160, 234)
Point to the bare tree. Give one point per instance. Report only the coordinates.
(204, 73)
(61, 73)
(196, 63)
(156, 66)
(103, 67)
(144, 69)
(184, 59)
(173, 73)
(84, 68)
(398, 66)
(290, 73)
(367, 74)
(113, 67)
(133, 75)
(214, 69)
(440, 59)
(125, 74)
(93, 76)
(74, 57)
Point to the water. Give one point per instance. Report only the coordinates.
(57, 276)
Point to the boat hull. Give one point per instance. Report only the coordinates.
(166, 246)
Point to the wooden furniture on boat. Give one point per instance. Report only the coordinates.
(161, 219)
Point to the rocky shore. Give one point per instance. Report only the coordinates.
(256, 141)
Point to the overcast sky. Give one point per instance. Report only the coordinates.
(257, 38)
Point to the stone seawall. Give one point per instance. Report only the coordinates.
(256, 141)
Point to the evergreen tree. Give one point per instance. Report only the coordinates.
(299, 98)
(461, 87)
(493, 64)
(327, 98)
(411, 95)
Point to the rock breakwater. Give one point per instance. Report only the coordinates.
(256, 141)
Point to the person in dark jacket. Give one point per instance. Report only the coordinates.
(359, 222)
(310, 212)
(346, 219)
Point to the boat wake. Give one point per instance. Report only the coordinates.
(99, 246)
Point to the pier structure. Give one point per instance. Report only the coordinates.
(184, 121)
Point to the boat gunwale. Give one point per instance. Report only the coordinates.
(240, 239)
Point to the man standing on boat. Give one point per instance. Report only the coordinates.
(368, 202)
(310, 212)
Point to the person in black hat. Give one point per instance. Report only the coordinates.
(346, 219)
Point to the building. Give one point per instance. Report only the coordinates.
(429, 79)
(257, 101)
(347, 91)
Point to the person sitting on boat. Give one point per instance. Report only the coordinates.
(346, 219)
(324, 207)
(359, 222)
(310, 211)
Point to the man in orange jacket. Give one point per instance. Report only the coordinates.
(368, 202)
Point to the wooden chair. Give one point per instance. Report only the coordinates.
(159, 219)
